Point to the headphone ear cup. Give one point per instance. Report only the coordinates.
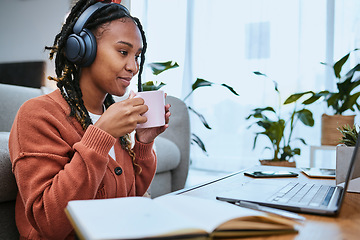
(75, 48)
(81, 49)
(90, 47)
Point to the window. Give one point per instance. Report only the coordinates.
(257, 45)
(225, 42)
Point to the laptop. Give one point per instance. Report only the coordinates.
(296, 196)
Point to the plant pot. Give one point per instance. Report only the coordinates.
(278, 163)
(330, 135)
(343, 159)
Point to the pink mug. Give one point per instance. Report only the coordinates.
(155, 100)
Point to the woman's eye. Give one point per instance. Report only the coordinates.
(124, 53)
(137, 58)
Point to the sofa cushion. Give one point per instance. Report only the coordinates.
(11, 98)
(168, 155)
(8, 188)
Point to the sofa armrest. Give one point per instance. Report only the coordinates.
(8, 188)
(179, 133)
(168, 155)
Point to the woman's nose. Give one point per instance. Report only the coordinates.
(132, 66)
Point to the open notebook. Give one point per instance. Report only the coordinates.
(170, 217)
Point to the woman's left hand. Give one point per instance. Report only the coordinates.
(147, 135)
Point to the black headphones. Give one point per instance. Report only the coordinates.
(81, 45)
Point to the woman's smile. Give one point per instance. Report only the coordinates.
(125, 80)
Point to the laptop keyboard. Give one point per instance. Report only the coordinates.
(305, 194)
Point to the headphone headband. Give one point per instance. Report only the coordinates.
(84, 17)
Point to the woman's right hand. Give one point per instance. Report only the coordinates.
(122, 117)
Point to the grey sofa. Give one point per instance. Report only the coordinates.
(172, 148)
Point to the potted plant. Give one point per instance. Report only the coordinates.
(349, 135)
(340, 101)
(159, 67)
(280, 130)
(345, 150)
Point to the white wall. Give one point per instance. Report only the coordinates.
(27, 26)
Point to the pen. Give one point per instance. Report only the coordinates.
(276, 211)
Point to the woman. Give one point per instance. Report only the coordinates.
(74, 142)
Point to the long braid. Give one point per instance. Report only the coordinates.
(68, 73)
(137, 21)
(142, 62)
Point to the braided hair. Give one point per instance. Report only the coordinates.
(68, 73)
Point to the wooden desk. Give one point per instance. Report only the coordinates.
(345, 226)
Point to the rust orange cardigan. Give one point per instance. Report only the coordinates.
(55, 161)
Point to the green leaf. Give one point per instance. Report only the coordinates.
(311, 100)
(269, 148)
(258, 112)
(151, 86)
(276, 86)
(201, 83)
(297, 151)
(339, 64)
(315, 97)
(302, 140)
(195, 139)
(289, 153)
(204, 83)
(322, 93)
(296, 96)
(201, 117)
(159, 67)
(255, 139)
(274, 130)
(230, 88)
(260, 74)
(350, 73)
(332, 101)
(323, 63)
(198, 83)
(351, 100)
(306, 117)
(275, 83)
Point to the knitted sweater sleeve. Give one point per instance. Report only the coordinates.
(146, 161)
(51, 168)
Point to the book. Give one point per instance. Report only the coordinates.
(170, 216)
(319, 172)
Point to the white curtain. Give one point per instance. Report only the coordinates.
(225, 42)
